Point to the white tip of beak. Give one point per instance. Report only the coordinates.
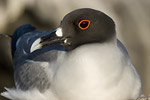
(36, 45)
(59, 32)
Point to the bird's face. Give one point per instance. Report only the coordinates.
(85, 26)
(80, 27)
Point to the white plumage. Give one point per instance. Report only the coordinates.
(90, 72)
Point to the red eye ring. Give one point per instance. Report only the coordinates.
(84, 24)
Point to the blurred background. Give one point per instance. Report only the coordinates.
(132, 18)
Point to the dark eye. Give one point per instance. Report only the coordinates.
(84, 24)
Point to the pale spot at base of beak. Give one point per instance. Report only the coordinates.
(65, 41)
(59, 32)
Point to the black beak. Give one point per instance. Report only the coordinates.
(51, 39)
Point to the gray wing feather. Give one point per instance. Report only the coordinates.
(24, 44)
(32, 70)
(32, 75)
(122, 48)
